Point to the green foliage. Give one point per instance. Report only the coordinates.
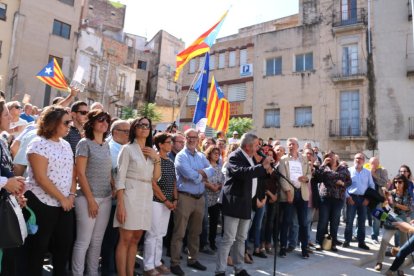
(128, 112)
(149, 110)
(241, 125)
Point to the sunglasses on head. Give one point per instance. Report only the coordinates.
(82, 112)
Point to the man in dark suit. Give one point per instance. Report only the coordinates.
(239, 189)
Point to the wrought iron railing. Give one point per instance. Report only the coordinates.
(349, 17)
(348, 127)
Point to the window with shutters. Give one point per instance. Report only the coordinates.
(272, 117)
(237, 92)
(232, 58)
(274, 66)
(221, 60)
(304, 62)
(303, 116)
(121, 83)
(68, 2)
(142, 65)
(192, 98)
(92, 75)
(201, 63)
(212, 62)
(243, 56)
(192, 66)
(3, 11)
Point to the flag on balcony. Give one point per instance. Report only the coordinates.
(201, 86)
(52, 75)
(218, 108)
(200, 46)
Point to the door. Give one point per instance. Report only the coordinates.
(349, 121)
(348, 11)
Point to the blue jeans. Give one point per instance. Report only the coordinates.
(301, 208)
(329, 213)
(256, 227)
(293, 230)
(375, 226)
(405, 250)
(352, 210)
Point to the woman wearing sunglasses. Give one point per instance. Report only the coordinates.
(399, 201)
(138, 167)
(50, 192)
(93, 206)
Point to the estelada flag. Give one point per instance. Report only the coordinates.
(52, 75)
(218, 108)
(200, 46)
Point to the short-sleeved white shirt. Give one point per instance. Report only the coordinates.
(59, 170)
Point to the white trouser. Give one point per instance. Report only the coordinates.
(89, 235)
(153, 237)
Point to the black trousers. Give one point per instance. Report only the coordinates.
(55, 235)
(214, 214)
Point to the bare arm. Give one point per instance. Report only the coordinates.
(68, 100)
(81, 162)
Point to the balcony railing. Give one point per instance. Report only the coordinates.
(349, 70)
(348, 127)
(349, 17)
(410, 127)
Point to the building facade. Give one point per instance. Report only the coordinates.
(38, 36)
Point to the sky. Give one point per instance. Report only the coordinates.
(188, 19)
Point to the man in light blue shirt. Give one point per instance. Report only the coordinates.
(356, 203)
(192, 169)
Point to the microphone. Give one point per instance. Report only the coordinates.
(384, 216)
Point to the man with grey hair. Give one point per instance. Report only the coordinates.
(192, 170)
(239, 189)
(294, 195)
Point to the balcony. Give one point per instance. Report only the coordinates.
(349, 20)
(410, 127)
(352, 70)
(348, 129)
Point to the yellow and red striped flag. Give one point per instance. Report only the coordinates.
(218, 108)
(200, 46)
(52, 75)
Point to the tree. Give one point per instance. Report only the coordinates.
(241, 125)
(128, 112)
(149, 110)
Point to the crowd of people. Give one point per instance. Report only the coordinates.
(101, 186)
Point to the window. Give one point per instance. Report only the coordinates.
(243, 56)
(192, 66)
(348, 11)
(138, 86)
(61, 29)
(232, 58)
(1, 42)
(272, 118)
(201, 64)
(350, 60)
(3, 10)
(304, 62)
(237, 92)
(90, 101)
(58, 59)
(221, 61)
(303, 116)
(212, 62)
(274, 66)
(142, 65)
(118, 111)
(92, 75)
(121, 83)
(68, 2)
(192, 98)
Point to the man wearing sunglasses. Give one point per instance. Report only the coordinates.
(79, 113)
(356, 203)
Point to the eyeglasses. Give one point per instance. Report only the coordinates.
(17, 107)
(102, 119)
(403, 171)
(142, 126)
(125, 131)
(398, 182)
(67, 122)
(82, 112)
(167, 142)
(192, 137)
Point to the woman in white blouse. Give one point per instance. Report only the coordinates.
(50, 192)
(138, 166)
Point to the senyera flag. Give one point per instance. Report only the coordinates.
(218, 108)
(52, 75)
(200, 46)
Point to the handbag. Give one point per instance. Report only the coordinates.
(13, 229)
(327, 242)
